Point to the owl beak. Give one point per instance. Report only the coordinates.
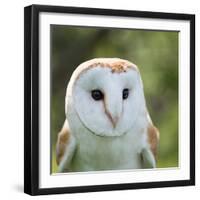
(114, 121)
(112, 114)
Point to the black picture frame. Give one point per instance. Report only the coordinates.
(31, 98)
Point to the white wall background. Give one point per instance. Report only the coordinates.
(11, 98)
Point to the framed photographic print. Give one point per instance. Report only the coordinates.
(109, 99)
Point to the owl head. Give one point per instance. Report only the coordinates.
(107, 96)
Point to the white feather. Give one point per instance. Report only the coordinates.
(99, 145)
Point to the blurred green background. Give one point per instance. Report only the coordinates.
(154, 52)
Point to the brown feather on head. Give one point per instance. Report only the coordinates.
(116, 65)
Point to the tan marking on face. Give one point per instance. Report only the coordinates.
(153, 138)
(62, 141)
(116, 65)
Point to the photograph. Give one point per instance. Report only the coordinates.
(114, 99)
(109, 99)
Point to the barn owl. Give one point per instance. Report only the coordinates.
(107, 125)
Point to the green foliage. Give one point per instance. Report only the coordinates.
(154, 52)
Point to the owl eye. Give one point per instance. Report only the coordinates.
(125, 93)
(97, 95)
